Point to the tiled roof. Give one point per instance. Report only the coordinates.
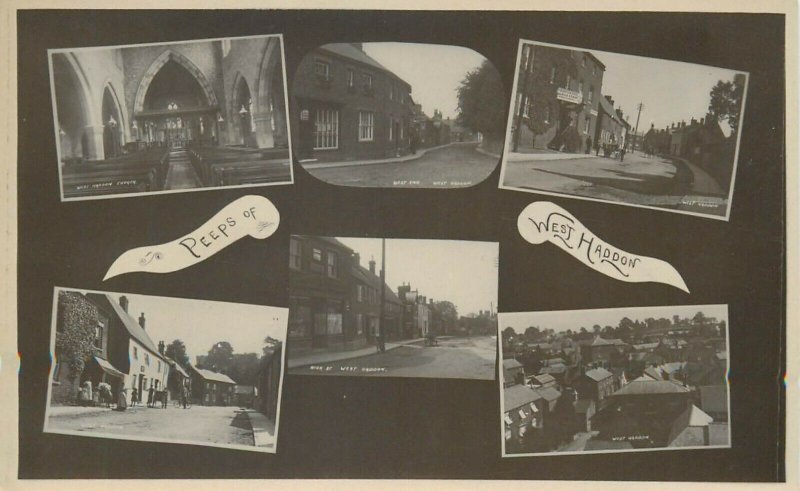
(549, 393)
(511, 363)
(691, 417)
(544, 378)
(639, 387)
(519, 395)
(598, 374)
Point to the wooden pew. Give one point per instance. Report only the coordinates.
(138, 172)
(226, 166)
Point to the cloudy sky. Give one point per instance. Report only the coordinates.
(461, 272)
(434, 71)
(575, 319)
(200, 323)
(670, 91)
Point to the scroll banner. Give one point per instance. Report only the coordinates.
(251, 215)
(544, 221)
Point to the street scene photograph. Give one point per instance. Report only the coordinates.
(614, 380)
(181, 371)
(625, 129)
(392, 307)
(398, 115)
(170, 117)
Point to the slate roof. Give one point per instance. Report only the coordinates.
(544, 378)
(692, 417)
(511, 363)
(132, 325)
(550, 394)
(639, 387)
(598, 374)
(654, 373)
(174, 365)
(347, 50)
(213, 376)
(714, 398)
(518, 395)
(553, 369)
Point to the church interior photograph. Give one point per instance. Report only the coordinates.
(166, 117)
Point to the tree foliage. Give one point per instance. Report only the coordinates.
(725, 103)
(76, 331)
(219, 356)
(481, 101)
(177, 351)
(447, 310)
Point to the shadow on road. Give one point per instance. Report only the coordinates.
(241, 421)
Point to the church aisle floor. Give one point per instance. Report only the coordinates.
(181, 175)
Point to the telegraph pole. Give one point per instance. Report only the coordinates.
(522, 100)
(639, 106)
(381, 326)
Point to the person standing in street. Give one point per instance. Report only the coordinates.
(622, 153)
(150, 393)
(122, 401)
(134, 397)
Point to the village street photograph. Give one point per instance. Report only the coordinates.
(392, 307)
(182, 371)
(624, 129)
(170, 117)
(398, 115)
(614, 380)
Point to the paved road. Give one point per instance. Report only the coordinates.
(469, 358)
(650, 181)
(457, 165)
(201, 424)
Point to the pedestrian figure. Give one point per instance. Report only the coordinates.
(150, 393)
(122, 401)
(184, 395)
(588, 144)
(134, 397)
(622, 154)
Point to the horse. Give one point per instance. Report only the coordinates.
(160, 396)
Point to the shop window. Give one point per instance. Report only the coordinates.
(366, 126)
(326, 129)
(299, 320)
(295, 250)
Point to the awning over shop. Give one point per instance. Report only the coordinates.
(109, 368)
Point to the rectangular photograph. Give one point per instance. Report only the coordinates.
(158, 118)
(624, 129)
(176, 373)
(614, 380)
(392, 307)
(372, 115)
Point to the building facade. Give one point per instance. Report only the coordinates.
(212, 388)
(557, 100)
(347, 106)
(116, 100)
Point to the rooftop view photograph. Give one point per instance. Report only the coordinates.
(181, 371)
(614, 380)
(398, 115)
(624, 129)
(392, 307)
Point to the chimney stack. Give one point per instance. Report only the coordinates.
(372, 266)
(141, 320)
(123, 302)
(161, 347)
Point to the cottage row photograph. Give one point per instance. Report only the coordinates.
(625, 129)
(614, 380)
(392, 307)
(176, 372)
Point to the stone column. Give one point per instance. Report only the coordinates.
(263, 129)
(94, 137)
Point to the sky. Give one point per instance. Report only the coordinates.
(462, 272)
(575, 319)
(201, 323)
(434, 71)
(671, 91)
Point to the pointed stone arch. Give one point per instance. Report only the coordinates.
(120, 108)
(270, 88)
(158, 63)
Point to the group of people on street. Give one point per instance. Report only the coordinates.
(610, 150)
(102, 395)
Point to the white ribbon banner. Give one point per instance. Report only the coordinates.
(544, 221)
(251, 215)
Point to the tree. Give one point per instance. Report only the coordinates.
(596, 328)
(243, 368)
(219, 356)
(177, 351)
(509, 333)
(75, 328)
(725, 103)
(532, 333)
(448, 313)
(481, 102)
